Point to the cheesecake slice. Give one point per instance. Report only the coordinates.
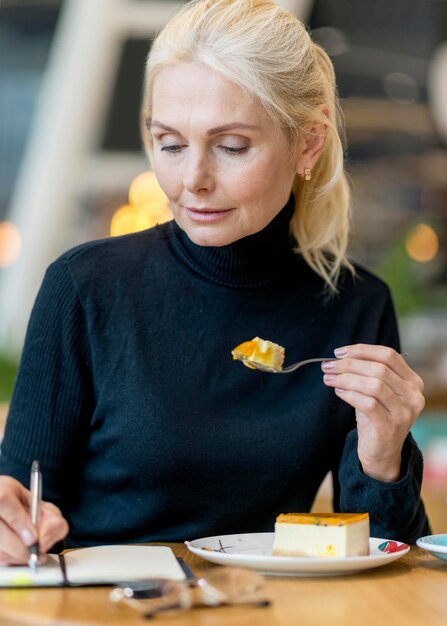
(321, 534)
(260, 352)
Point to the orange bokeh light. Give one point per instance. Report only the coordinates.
(148, 206)
(144, 189)
(422, 243)
(10, 243)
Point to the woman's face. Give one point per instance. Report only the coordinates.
(225, 167)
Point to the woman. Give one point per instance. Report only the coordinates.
(126, 394)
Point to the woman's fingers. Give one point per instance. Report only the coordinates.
(387, 396)
(401, 396)
(13, 551)
(375, 371)
(384, 355)
(369, 393)
(14, 506)
(52, 526)
(16, 530)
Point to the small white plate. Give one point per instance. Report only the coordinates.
(254, 551)
(436, 544)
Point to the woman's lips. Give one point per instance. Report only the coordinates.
(206, 215)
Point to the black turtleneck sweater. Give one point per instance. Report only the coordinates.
(146, 429)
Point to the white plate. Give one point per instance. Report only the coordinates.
(254, 551)
(436, 544)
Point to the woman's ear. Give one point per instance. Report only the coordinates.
(312, 144)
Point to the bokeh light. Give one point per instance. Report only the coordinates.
(401, 88)
(144, 189)
(148, 206)
(129, 219)
(10, 243)
(422, 243)
(333, 40)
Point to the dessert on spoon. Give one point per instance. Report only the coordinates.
(267, 356)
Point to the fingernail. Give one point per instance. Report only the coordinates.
(328, 377)
(328, 365)
(337, 390)
(340, 351)
(27, 537)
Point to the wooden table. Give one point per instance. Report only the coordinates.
(407, 592)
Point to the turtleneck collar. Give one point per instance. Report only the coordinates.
(250, 263)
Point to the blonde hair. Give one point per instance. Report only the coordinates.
(267, 51)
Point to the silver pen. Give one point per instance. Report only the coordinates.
(36, 497)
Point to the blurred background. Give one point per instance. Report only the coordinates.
(72, 166)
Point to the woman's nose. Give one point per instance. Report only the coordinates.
(198, 174)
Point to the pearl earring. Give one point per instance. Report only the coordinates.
(307, 174)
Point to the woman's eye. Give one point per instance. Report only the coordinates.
(177, 148)
(232, 150)
(172, 148)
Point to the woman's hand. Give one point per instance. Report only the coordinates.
(16, 529)
(387, 396)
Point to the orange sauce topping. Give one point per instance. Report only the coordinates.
(321, 519)
(260, 351)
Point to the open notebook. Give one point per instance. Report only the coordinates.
(95, 566)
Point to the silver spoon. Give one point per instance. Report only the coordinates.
(290, 368)
(285, 370)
